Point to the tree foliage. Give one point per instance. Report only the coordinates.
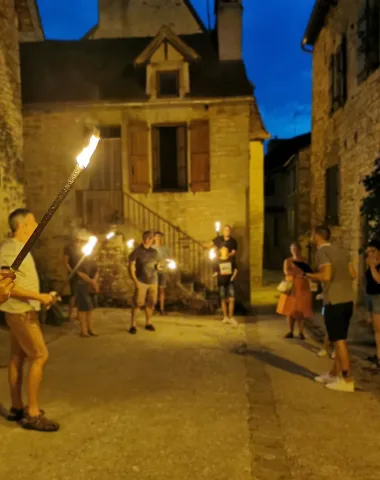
(370, 207)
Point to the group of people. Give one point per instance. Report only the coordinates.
(336, 274)
(21, 302)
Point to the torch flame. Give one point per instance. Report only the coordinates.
(130, 243)
(110, 235)
(83, 159)
(212, 254)
(89, 247)
(171, 264)
(217, 226)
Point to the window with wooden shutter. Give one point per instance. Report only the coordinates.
(338, 76)
(200, 156)
(368, 38)
(332, 195)
(138, 156)
(169, 153)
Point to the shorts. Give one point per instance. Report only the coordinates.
(145, 295)
(372, 303)
(227, 291)
(162, 280)
(26, 335)
(337, 320)
(84, 300)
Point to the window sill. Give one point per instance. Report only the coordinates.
(168, 190)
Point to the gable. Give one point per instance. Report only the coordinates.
(166, 46)
(120, 19)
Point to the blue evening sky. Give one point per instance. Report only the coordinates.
(273, 31)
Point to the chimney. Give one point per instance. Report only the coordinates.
(229, 27)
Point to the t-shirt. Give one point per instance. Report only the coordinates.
(225, 270)
(27, 278)
(372, 287)
(340, 288)
(220, 242)
(146, 264)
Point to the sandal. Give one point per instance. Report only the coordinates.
(39, 424)
(289, 335)
(92, 334)
(17, 414)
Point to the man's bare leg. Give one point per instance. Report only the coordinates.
(148, 315)
(83, 323)
(343, 359)
(133, 316)
(224, 308)
(71, 308)
(89, 321)
(15, 377)
(34, 383)
(162, 299)
(231, 307)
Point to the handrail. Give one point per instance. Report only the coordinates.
(179, 230)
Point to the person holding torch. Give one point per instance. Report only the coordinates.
(22, 316)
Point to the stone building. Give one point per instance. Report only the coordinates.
(182, 137)
(343, 38)
(287, 197)
(19, 21)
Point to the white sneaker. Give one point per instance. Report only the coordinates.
(232, 321)
(322, 353)
(225, 320)
(340, 385)
(325, 378)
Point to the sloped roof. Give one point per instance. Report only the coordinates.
(104, 70)
(283, 149)
(257, 130)
(317, 20)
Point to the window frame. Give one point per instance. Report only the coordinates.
(177, 74)
(338, 76)
(155, 152)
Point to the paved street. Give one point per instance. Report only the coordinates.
(195, 400)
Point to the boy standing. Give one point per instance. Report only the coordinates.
(226, 273)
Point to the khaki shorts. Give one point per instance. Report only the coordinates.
(145, 295)
(26, 335)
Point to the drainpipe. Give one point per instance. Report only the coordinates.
(304, 46)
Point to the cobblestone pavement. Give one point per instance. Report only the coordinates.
(195, 400)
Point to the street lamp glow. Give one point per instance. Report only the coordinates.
(110, 235)
(130, 243)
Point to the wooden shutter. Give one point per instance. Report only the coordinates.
(332, 195)
(182, 157)
(200, 156)
(332, 83)
(342, 69)
(362, 41)
(156, 158)
(138, 154)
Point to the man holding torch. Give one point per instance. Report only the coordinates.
(21, 313)
(224, 240)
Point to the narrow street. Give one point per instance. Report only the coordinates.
(195, 400)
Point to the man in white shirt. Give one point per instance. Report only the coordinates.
(22, 316)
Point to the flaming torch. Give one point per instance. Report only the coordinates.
(171, 264)
(110, 235)
(83, 159)
(87, 251)
(212, 254)
(217, 227)
(130, 243)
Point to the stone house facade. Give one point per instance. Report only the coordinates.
(287, 197)
(18, 22)
(344, 39)
(182, 137)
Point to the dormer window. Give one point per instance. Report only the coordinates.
(168, 83)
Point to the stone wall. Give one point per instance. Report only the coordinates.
(135, 18)
(52, 140)
(350, 137)
(11, 164)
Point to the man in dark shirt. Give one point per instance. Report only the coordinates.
(143, 268)
(226, 240)
(226, 270)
